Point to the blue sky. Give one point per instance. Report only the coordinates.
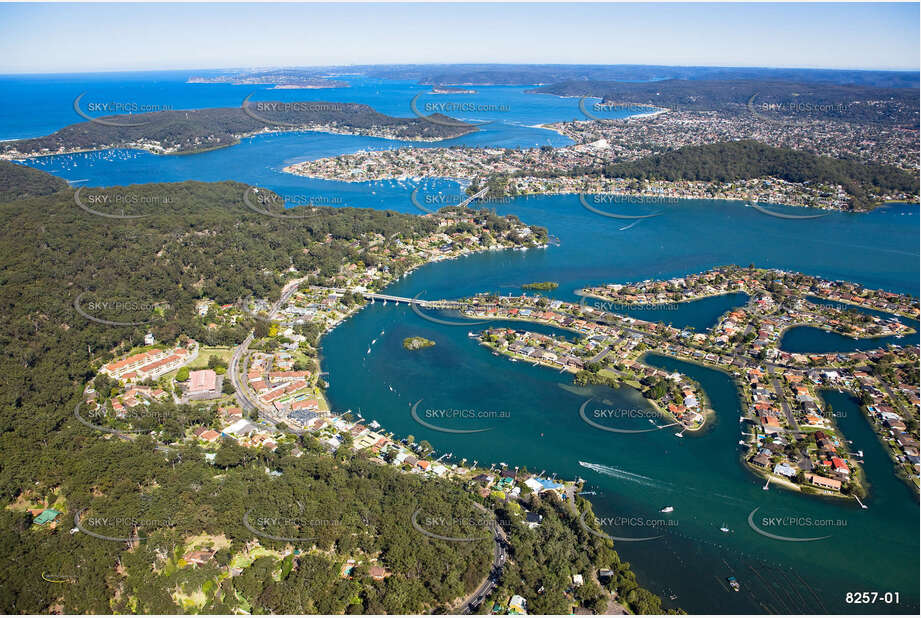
(103, 37)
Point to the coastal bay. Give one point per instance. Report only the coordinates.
(631, 476)
(637, 477)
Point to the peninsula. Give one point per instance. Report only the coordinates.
(744, 170)
(192, 131)
(791, 436)
(280, 79)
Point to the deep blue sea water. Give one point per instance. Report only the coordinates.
(634, 475)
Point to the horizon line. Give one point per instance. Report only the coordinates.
(434, 64)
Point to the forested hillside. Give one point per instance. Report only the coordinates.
(200, 240)
(203, 129)
(729, 161)
(771, 99)
(18, 181)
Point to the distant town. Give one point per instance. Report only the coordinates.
(549, 170)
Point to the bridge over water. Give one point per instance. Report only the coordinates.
(391, 298)
(430, 304)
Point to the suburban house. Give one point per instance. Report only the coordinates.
(825, 483)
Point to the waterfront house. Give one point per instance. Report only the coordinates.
(484, 479)
(824, 483)
(785, 470)
(839, 466)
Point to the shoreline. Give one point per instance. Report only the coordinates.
(853, 304)
(747, 202)
(707, 413)
(826, 329)
(237, 139)
(582, 292)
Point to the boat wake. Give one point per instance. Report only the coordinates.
(632, 477)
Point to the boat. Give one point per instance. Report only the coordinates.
(723, 528)
(733, 583)
(666, 509)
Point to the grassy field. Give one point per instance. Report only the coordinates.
(223, 353)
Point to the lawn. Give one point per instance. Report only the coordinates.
(205, 352)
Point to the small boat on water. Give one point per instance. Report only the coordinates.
(733, 583)
(724, 529)
(666, 509)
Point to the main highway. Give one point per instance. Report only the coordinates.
(500, 543)
(238, 362)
